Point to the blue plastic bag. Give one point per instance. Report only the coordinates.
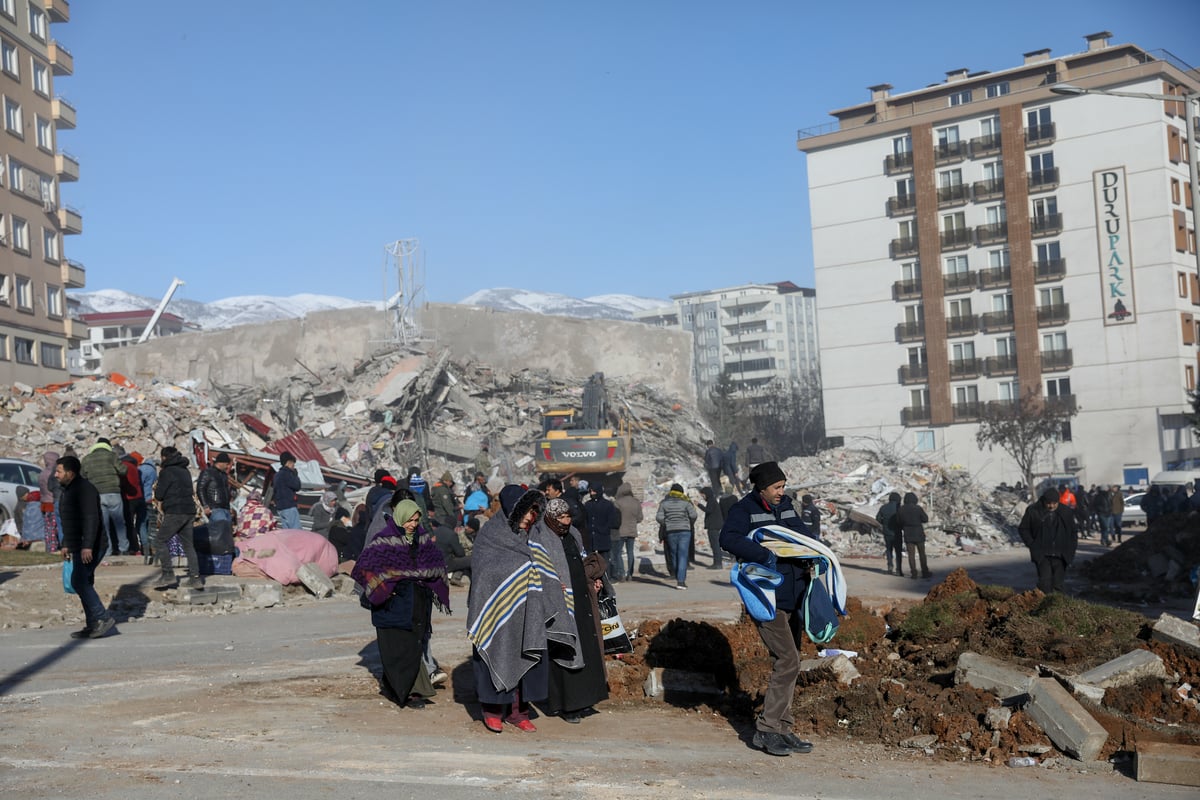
(68, 569)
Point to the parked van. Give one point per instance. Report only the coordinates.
(1177, 477)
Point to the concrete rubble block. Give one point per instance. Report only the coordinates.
(1176, 631)
(209, 595)
(1121, 671)
(315, 580)
(992, 675)
(263, 593)
(997, 718)
(662, 683)
(1162, 762)
(840, 666)
(920, 742)
(354, 408)
(1065, 721)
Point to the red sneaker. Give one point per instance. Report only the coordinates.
(522, 724)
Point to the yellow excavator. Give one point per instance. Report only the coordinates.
(593, 441)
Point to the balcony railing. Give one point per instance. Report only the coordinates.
(1039, 134)
(1058, 314)
(1056, 360)
(1050, 270)
(1060, 403)
(57, 10)
(69, 220)
(1043, 180)
(915, 415)
(991, 233)
(1003, 407)
(992, 321)
(63, 114)
(954, 194)
(988, 189)
(61, 62)
(965, 368)
(959, 282)
(1046, 224)
(901, 204)
(906, 290)
(66, 166)
(962, 325)
(899, 162)
(949, 151)
(985, 145)
(956, 239)
(914, 373)
(73, 274)
(995, 277)
(903, 247)
(910, 331)
(967, 412)
(1000, 365)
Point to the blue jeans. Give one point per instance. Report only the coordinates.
(83, 581)
(112, 516)
(290, 518)
(678, 542)
(624, 557)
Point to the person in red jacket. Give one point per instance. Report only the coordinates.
(132, 499)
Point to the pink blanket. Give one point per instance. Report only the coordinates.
(279, 554)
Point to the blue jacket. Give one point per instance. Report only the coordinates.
(751, 512)
(287, 483)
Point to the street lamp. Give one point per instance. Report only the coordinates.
(1193, 154)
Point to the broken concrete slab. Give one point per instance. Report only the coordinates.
(663, 682)
(207, 595)
(1177, 631)
(839, 666)
(315, 580)
(1121, 671)
(1068, 724)
(992, 675)
(997, 718)
(920, 742)
(1160, 762)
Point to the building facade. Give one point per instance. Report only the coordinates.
(111, 329)
(756, 334)
(986, 238)
(36, 330)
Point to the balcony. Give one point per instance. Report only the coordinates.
(995, 277)
(901, 204)
(996, 321)
(898, 162)
(74, 329)
(1054, 315)
(946, 152)
(915, 415)
(910, 331)
(69, 220)
(1051, 270)
(1004, 408)
(61, 62)
(961, 368)
(985, 145)
(1039, 135)
(914, 373)
(956, 239)
(959, 282)
(66, 166)
(73, 275)
(57, 10)
(992, 233)
(997, 366)
(953, 195)
(1056, 360)
(906, 290)
(1043, 180)
(990, 189)
(899, 248)
(1046, 224)
(963, 325)
(1060, 403)
(63, 114)
(967, 412)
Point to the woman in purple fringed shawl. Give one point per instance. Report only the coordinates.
(403, 576)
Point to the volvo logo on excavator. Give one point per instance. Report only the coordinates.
(579, 454)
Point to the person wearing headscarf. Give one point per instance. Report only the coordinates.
(254, 518)
(573, 692)
(518, 617)
(50, 492)
(403, 576)
(322, 513)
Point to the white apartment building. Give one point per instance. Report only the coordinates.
(756, 333)
(986, 237)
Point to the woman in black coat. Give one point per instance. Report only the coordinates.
(912, 527)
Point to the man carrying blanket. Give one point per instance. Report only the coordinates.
(766, 504)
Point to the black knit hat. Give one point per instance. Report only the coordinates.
(765, 474)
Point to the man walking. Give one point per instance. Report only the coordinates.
(287, 485)
(102, 470)
(1048, 530)
(603, 521)
(84, 543)
(174, 495)
(713, 458)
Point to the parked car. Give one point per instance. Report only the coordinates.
(1134, 515)
(13, 473)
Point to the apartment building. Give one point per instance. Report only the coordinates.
(985, 237)
(111, 329)
(756, 333)
(36, 329)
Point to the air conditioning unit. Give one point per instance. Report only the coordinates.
(1073, 464)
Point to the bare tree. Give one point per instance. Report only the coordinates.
(1025, 429)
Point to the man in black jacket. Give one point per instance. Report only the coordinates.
(1048, 530)
(767, 504)
(603, 520)
(83, 543)
(177, 502)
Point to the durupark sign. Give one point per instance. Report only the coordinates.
(1116, 251)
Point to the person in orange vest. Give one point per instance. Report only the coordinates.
(1066, 497)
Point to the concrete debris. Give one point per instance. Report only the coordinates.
(664, 684)
(315, 580)
(1120, 671)
(1161, 762)
(1176, 631)
(1072, 729)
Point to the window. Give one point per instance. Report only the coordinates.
(948, 135)
(1009, 391)
(1175, 191)
(5, 287)
(905, 187)
(16, 175)
(997, 89)
(997, 215)
(960, 98)
(916, 356)
(8, 9)
(966, 395)
(9, 59)
(3, 347)
(902, 145)
(24, 293)
(46, 191)
(1183, 284)
(926, 441)
(999, 259)
(1039, 122)
(52, 355)
(1006, 346)
(907, 229)
(12, 116)
(1058, 387)
(41, 78)
(950, 177)
(20, 235)
(954, 222)
(993, 171)
(54, 300)
(960, 308)
(1045, 207)
(1002, 301)
(1189, 378)
(50, 244)
(710, 314)
(963, 351)
(45, 137)
(37, 23)
(956, 265)
(1052, 296)
(910, 271)
(23, 350)
(1054, 341)
(1064, 433)
(914, 314)
(3, 232)
(1047, 252)
(989, 127)
(919, 398)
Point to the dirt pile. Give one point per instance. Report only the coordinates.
(1159, 562)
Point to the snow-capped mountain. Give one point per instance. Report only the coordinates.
(605, 306)
(227, 313)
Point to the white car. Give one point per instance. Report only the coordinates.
(13, 473)
(1134, 515)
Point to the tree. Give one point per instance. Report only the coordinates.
(1025, 429)
(1194, 417)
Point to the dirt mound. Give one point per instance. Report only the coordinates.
(1153, 564)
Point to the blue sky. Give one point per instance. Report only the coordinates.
(274, 147)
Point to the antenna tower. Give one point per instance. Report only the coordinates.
(404, 287)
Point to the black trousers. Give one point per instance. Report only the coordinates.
(1051, 570)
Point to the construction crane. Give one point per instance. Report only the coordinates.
(158, 312)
